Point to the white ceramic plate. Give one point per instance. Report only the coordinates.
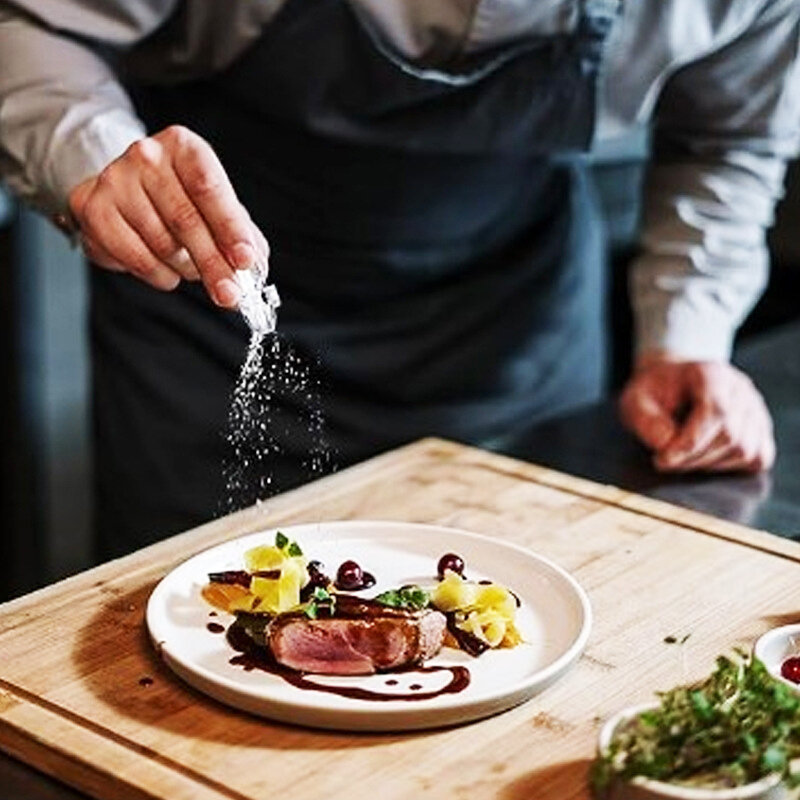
(554, 619)
(775, 646)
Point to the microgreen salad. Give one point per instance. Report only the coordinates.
(737, 726)
(279, 579)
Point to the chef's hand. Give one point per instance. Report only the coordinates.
(698, 416)
(165, 210)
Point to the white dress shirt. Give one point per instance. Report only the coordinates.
(718, 81)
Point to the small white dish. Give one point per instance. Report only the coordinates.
(554, 618)
(775, 646)
(769, 788)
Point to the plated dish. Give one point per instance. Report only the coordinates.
(439, 684)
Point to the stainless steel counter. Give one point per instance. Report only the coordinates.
(592, 443)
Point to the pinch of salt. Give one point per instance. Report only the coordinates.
(258, 302)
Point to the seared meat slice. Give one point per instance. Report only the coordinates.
(361, 638)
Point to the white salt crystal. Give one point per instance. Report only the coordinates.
(259, 301)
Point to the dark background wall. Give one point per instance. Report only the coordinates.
(45, 496)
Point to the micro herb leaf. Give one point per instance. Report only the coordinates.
(281, 540)
(733, 728)
(320, 599)
(412, 598)
(294, 549)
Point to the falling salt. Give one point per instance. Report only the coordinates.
(276, 427)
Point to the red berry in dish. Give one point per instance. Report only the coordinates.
(316, 575)
(452, 562)
(349, 576)
(790, 669)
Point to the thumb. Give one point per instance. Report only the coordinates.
(646, 417)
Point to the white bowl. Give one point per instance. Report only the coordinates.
(775, 646)
(769, 788)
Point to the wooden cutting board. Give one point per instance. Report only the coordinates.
(84, 697)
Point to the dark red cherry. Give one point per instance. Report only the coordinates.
(450, 561)
(790, 669)
(349, 576)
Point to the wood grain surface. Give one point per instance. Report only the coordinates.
(73, 655)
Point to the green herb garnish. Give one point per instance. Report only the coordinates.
(281, 540)
(321, 599)
(294, 549)
(412, 598)
(737, 726)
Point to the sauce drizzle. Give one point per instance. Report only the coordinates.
(251, 656)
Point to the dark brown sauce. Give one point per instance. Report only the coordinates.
(212, 613)
(367, 581)
(415, 687)
(269, 574)
(251, 656)
(391, 682)
(467, 641)
(215, 627)
(238, 577)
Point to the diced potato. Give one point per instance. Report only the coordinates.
(268, 590)
(289, 587)
(263, 558)
(493, 624)
(487, 611)
(471, 624)
(295, 566)
(454, 593)
(498, 597)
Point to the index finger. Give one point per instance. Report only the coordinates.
(206, 183)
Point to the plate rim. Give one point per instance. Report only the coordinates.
(389, 709)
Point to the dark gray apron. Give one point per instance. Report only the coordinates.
(435, 243)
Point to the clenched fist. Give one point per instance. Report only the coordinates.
(698, 416)
(165, 210)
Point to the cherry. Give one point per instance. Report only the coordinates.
(316, 576)
(452, 562)
(790, 669)
(349, 576)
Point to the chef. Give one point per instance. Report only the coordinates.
(418, 170)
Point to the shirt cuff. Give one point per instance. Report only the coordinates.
(85, 152)
(684, 331)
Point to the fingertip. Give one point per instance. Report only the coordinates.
(226, 293)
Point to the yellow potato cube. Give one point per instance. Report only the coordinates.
(497, 597)
(454, 593)
(268, 590)
(493, 626)
(263, 558)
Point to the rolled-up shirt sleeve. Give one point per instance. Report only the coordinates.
(723, 129)
(63, 114)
